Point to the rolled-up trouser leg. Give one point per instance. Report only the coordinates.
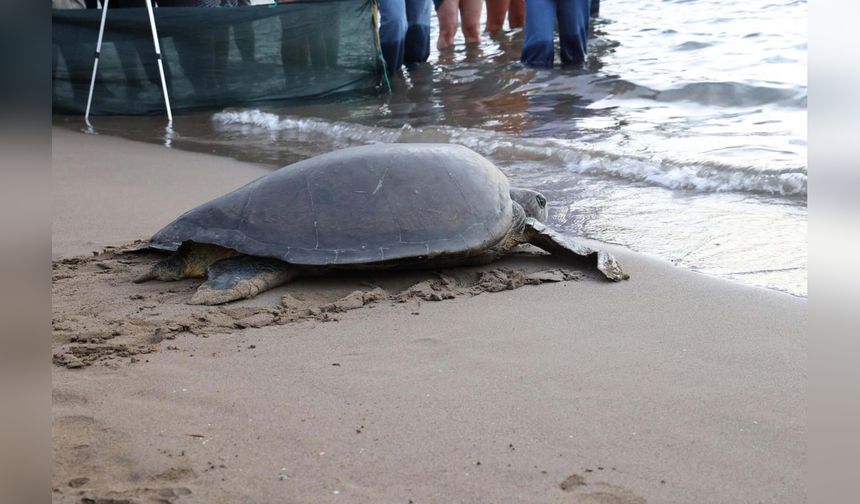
(392, 32)
(573, 16)
(539, 31)
(417, 45)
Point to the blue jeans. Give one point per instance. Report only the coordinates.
(541, 16)
(404, 32)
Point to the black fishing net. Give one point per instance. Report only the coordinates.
(214, 57)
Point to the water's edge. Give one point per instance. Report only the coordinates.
(168, 141)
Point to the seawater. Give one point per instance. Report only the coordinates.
(683, 135)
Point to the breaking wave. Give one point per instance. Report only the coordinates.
(702, 176)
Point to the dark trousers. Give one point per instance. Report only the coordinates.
(202, 50)
(404, 32)
(304, 45)
(572, 17)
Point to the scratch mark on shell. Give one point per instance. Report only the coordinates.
(381, 180)
(314, 210)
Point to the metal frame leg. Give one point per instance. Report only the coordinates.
(96, 62)
(157, 54)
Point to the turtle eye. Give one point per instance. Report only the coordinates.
(541, 200)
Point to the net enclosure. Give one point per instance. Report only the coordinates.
(215, 57)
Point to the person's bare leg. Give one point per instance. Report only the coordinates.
(470, 17)
(517, 14)
(496, 10)
(448, 14)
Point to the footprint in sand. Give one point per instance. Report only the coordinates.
(598, 493)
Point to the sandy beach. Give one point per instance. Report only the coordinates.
(529, 380)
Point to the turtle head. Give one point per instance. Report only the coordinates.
(533, 202)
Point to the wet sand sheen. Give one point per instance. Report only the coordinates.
(671, 387)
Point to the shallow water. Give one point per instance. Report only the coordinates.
(684, 135)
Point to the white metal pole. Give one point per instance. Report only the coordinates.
(158, 55)
(96, 62)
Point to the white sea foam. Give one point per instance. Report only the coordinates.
(702, 176)
(304, 128)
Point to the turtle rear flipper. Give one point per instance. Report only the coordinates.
(557, 244)
(242, 277)
(189, 261)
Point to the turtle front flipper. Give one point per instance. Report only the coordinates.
(557, 244)
(242, 277)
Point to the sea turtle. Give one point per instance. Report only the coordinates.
(374, 206)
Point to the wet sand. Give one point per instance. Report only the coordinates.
(529, 380)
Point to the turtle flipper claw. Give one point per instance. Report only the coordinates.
(607, 265)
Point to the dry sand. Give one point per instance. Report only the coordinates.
(437, 386)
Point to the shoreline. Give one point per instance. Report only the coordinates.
(237, 158)
(671, 387)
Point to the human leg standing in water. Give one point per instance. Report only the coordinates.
(202, 49)
(417, 42)
(573, 18)
(515, 10)
(541, 16)
(404, 32)
(468, 12)
(392, 33)
(243, 33)
(517, 14)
